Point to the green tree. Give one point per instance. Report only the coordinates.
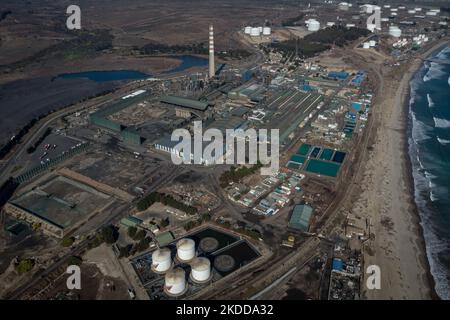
(140, 235)
(75, 260)
(67, 241)
(132, 231)
(164, 222)
(109, 234)
(24, 265)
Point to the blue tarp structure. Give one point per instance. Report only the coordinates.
(338, 75)
(338, 265)
(356, 106)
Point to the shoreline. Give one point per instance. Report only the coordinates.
(386, 190)
(412, 72)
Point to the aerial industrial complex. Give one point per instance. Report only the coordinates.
(102, 183)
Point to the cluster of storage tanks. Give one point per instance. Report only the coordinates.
(420, 39)
(175, 278)
(400, 43)
(257, 31)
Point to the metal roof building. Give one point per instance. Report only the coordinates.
(185, 102)
(301, 217)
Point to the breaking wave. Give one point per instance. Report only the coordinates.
(441, 123)
(430, 101)
(435, 71)
(443, 141)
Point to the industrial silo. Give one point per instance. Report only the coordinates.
(395, 31)
(200, 270)
(161, 260)
(254, 32)
(313, 25)
(175, 282)
(266, 31)
(344, 6)
(185, 250)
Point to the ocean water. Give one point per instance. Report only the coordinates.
(429, 150)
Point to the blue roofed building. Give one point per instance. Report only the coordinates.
(341, 76)
(338, 264)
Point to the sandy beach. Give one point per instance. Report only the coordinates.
(386, 195)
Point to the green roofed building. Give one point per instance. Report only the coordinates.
(130, 221)
(185, 102)
(164, 238)
(301, 218)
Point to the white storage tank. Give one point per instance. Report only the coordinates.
(161, 260)
(344, 6)
(394, 31)
(185, 250)
(254, 32)
(313, 25)
(267, 31)
(175, 282)
(247, 30)
(200, 270)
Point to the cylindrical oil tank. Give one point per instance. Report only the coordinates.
(161, 260)
(394, 31)
(266, 31)
(247, 30)
(343, 6)
(185, 249)
(175, 282)
(254, 32)
(313, 25)
(200, 269)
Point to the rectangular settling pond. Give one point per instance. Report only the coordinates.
(323, 168)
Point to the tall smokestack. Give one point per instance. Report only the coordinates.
(212, 67)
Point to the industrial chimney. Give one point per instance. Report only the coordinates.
(212, 67)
